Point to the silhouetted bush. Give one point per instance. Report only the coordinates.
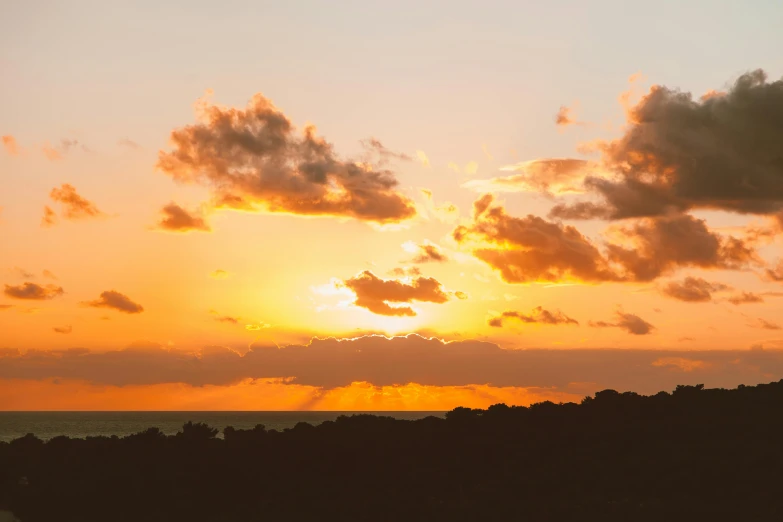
(695, 454)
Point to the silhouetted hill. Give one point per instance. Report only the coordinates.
(693, 455)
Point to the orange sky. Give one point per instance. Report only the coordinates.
(196, 250)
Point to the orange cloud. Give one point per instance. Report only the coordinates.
(49, 217)
(537, 316)
(219, 274)
(10, 144)
(633, 324)
(745, 298)
(692, 290)
(680, 363)
(531, 249)
(63, 329)
(375, 294)
(51, 154)
(565, 117)
(33, 291)
(125, 142)
(547, 175)
(73, 205)
(253, 159)
(427, 252)
(177, 219)
(116, 301)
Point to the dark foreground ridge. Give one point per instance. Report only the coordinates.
(695, 454)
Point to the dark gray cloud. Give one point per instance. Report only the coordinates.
(678, 153)
(253, 159)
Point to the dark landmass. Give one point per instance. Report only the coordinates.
(695, 454)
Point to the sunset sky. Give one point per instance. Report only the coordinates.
(368, 205)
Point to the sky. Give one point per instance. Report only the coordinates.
(386, 206)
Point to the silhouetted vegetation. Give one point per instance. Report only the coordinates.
(695, 454)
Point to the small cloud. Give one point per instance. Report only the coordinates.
(177, 219)
(227, 319)
(49, 217)
(66, 144)
(51, 154)
(63, 329)
(633, 324)
(453, 166)
(4, 307)
(125, 142)
(764, 324)
(565, 117)
(257, 327)
(392, 297)
(49, 275)
(692, 289)
(685, 339)
(426, 252)
(680, 364)
(471, 168)
(745, 298)
(73, 205)
(405, 271)
(33, 291)
(22, 273)
(10, 145)
(423, 158)
(116, 301)
(537, 316)
(219, 274)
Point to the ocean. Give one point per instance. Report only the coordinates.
(79, 424)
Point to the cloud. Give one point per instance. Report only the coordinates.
(423, 158)
(375, 294)
(471, 168)
(33, 291)
(252, 159)
(228, 319)
(125, 142)
(219, 274)
(10, 145)
(692, 289)
(117, 301)
(73, 205)
(547, 175)
(745, 298)
(679, 154)
(49, 217)
(531, 249)
(682, 364)
(405, 271)
(50, 153)
(447, 212)
(633, 324)
(565, 117)
(49, 275)
(764, 324)
(426, 252)
(660, 245)
(63, 329)
(4, 307)
(537, 316)
(178, 219)
(774, 274)
(330, 363)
